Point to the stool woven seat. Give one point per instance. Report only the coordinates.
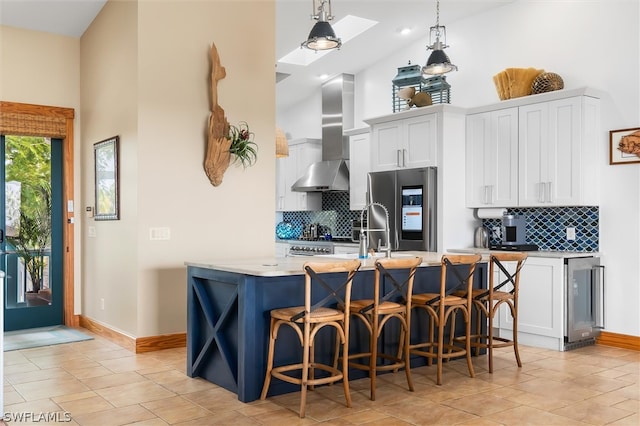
(442, 306)
(397, 275)
(307, 320)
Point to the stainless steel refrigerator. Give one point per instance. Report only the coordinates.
(410, 198)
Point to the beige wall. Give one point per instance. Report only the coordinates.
(145, 70)
(44, 69)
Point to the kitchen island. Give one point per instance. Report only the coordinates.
(228, 305)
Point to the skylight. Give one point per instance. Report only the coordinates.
(346, 28)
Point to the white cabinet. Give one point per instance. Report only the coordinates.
(302, 153)
(282, 249)
(359, 166)
(541, 304)
(345, 248)
(534, 151)
(404, 142)
(492, 159)
(557, 145)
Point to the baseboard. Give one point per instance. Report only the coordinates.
(137, 345)
(117, 337)
(623, 341)
(164, 341)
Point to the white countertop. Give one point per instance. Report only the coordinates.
(538, 253)
(284, 266)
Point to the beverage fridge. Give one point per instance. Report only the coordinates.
(410, 197)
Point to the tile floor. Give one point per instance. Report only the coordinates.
(98, 383)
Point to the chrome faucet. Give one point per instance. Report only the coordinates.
(386, 248)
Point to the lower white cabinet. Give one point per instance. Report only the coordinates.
(282, 249)
(345, 248)
(541, 303)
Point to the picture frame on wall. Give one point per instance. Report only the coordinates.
(106, 159)
(624, 146)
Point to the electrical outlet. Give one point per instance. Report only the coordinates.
(102, 304)
(571, 234)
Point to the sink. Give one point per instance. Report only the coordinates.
(371, 256)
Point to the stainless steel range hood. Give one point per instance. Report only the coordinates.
(332, 173)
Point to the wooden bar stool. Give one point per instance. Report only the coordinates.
(306, 321)
(457, 269)
(397, 275)
(504, 283)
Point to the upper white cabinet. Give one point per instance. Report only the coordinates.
(535, 151)
(359, 166)
(398, 143)
(492, 159)
(302, 153)
(557, 162)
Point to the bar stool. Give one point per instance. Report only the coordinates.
(504, 268)
(439, 307)
(397, 275)
(306, 321)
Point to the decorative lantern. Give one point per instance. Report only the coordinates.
(438, 88)
(410, 80)
(409, 76)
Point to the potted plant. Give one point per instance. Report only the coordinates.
(243, 148)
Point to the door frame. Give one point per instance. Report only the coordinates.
(62, 121)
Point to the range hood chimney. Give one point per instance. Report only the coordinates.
(332, 173)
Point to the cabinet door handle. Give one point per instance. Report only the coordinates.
(398, 158)
(541, 195)
(404, 158)
(549, 194)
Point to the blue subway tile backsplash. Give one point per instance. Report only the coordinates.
(546, 227)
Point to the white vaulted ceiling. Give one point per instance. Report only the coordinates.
(293, 23)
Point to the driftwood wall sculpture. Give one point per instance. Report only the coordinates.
(218, 156)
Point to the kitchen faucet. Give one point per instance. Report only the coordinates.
(386, 248)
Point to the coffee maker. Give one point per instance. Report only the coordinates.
(514, 234)
(513, 229)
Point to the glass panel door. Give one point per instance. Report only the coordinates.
(31, 217)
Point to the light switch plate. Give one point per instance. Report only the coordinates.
(571, 234)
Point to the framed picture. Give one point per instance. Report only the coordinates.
(624, 146)
(106, 173)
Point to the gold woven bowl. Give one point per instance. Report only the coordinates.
(547, 82)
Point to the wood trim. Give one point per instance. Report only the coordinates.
(616, 340)
(70, 319)
(102, 330)
(165, 341)
(137, 345)
(31, 109)
(68, 114)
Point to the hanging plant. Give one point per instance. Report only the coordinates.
(243, 148)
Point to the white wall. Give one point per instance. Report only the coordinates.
(576, 39)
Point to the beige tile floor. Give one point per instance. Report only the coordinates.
(98, 383)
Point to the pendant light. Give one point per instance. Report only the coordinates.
(282, 146)
(438, 62)
(322, 36)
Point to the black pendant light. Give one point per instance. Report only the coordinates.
(438, 62)
(322, 36)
